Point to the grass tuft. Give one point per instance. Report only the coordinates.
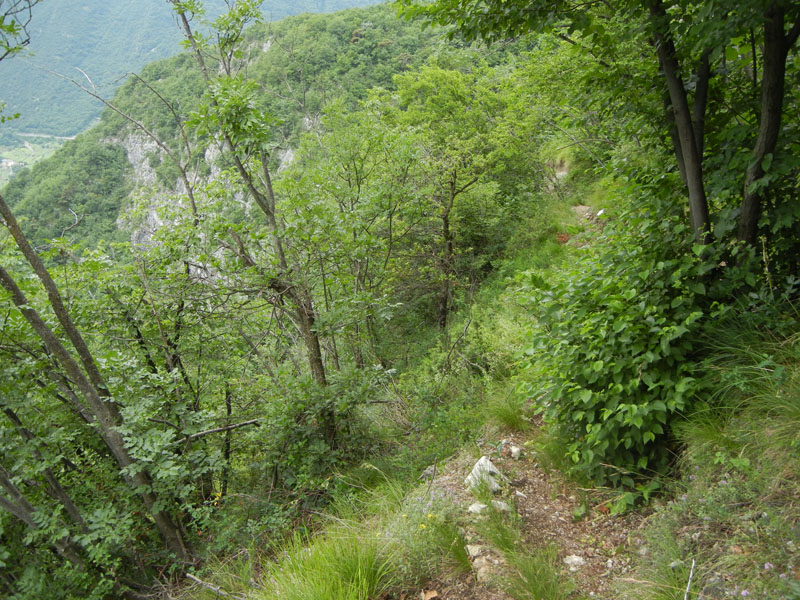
(736, 510)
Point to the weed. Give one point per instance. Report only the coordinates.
(508, 411)
(537, 576)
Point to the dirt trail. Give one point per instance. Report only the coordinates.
(546, 504)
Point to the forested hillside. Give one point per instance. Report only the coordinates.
(97, 44)
(302, 64)
(256, 323)
(106, 41)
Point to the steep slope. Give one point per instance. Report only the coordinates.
(106, 41)
(302, 63)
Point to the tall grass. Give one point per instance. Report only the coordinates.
(736, 510)
(338, 566)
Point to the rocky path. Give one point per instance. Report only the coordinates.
(595, 549)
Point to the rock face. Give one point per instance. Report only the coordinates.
(484, 472)
(139, 148)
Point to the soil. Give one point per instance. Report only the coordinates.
(547, 505)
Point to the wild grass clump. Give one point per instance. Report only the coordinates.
(736, 509)
(537, 575)
(383, 542)
(509, 411)
(531, 573)
(339, 566)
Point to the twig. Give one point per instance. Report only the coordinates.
(446, 366)
(217, 590)
(430, 481)
(194, 436)
(689, 584)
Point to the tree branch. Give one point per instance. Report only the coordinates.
(199, 434)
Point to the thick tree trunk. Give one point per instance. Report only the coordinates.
(688, 139)
(776, 49)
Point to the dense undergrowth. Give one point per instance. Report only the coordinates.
(725, 521)
(731, 515)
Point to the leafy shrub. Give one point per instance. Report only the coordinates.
(615, 340)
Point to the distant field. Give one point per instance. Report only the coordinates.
(29, 149)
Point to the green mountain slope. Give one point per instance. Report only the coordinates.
(106, 41)
(301, 63)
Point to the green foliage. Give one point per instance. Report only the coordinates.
(76, 195)
(616, 340)
(734, 510)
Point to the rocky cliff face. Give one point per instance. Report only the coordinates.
(140, 149)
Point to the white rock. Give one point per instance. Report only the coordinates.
(477, 508)
(516, 452)
(501, 506)
(574, 561)
(600, 212)
(519, 494)
(474, 551)
(428, 473)
(484, 471)
(483, 569)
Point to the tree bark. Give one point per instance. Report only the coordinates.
(700, 102)
(674, 137)
(665, 48)
(776, 50)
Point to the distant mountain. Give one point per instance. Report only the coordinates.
(106, 40)
(302, 64)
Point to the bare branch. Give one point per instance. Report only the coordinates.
(200, 434)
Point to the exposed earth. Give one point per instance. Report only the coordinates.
(595, 548)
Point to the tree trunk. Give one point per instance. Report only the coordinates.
(665, 48)
(776, 49)
(700, 102)
(446, 260)
(445, 287)
(674, 137)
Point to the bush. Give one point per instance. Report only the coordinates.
(615, 341)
